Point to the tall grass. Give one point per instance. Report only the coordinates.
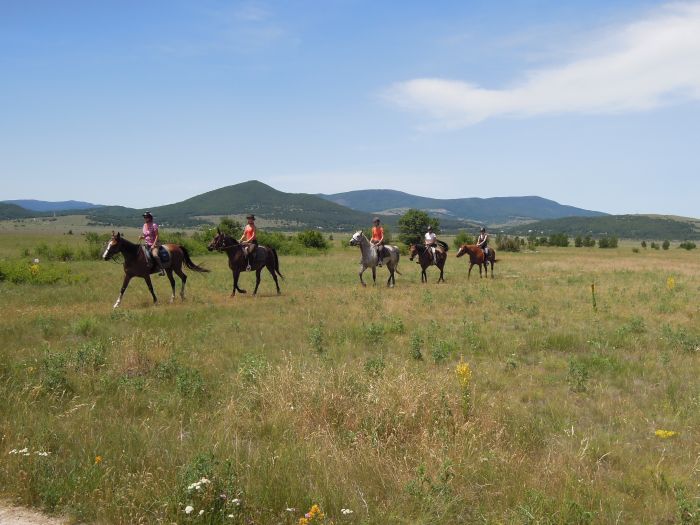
(352, 398)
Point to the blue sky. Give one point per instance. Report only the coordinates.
(593, 104)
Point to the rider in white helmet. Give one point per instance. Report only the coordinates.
(431, 243)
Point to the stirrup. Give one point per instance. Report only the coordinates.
(248, 268)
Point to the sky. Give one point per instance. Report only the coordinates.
(594, 104)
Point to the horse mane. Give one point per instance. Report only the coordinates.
(128, 246)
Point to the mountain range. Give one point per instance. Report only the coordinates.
(35, 205)
(352, 210)
(495, 210)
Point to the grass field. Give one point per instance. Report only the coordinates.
(251, 410)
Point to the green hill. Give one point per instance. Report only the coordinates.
(288, 210)
(496, 210)
(622, 226)
(12, 211)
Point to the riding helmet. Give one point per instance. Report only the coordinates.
(147, 215)
(251, 216)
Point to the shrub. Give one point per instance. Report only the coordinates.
(462, 238)
(607, 242)
(578, 241)
(312, 239)
(654, 246)
(687, 245)
(508, 244)
(644, 244)
(666, 245)
(588, 241)
(558, 239)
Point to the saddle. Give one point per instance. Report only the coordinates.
(163, 256)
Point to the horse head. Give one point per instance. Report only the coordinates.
(356, 238)
(221, 241)
(464, 249)
(412, 251)
(113, 246)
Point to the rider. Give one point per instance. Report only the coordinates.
(378, 239)
(249, 239)
(483, 241)
(150, 236)
(431, 243)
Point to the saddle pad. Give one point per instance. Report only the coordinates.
(163, 254)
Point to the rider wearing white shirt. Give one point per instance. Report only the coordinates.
(431, 242)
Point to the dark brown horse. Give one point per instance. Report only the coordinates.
(262, 257)
(425, 258)
(476, 256)
(138, 264)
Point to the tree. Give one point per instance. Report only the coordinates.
(413, 224)
(462, 238)
(666, 245)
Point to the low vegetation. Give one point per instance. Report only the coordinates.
(562, 391)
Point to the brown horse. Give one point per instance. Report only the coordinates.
(262, 257)
(476, 256)
(138, 264)
(425, 258)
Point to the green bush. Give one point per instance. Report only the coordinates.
(462, 238)
(508, 244)
(607, 242)
(558, 239)
(413, 224)
(666, 245)
(312, 239)
(20, 272)
(687, 245)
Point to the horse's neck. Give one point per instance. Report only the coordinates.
(129, 249)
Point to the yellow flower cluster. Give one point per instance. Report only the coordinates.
(315, 515)
(464, 374)
(34, 268)
(665, 434)
(670, 283)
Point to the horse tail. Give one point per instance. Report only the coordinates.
(277, 263)
(189, 263)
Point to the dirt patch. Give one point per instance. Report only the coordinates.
(10, 515)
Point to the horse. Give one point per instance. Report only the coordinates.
(476, 256)
(262, 257)
(138, 264)
(425, 258)
(370, 258)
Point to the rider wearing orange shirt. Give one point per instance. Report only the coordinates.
(378, 239)
(249, 239)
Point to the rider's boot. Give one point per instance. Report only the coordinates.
(248, 267)
(379, 258)
(161, 271)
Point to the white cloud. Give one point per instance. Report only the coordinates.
(646, 64)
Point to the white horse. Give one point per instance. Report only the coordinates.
(370, 258)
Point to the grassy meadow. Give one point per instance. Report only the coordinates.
(251, 410)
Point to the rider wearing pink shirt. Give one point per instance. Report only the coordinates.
(150, 237)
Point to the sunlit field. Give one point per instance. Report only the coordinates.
(578, 405)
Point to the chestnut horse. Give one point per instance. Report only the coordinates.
(138, 264)
(476, 256)
(425, 258)
(262, 257)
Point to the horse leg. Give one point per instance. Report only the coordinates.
(374, 275)
(257, 281)
(442, 277)
(127, 278)
(423, 276)
(183, 278)
(147, 278)
(169, 273)
(271, 269)
(362, 270)
(469, 273)
(491, 269)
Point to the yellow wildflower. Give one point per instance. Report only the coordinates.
(464, 374)
(665, 434)
(34, 268)
(670, 283)
(98, 459)
(303, 521)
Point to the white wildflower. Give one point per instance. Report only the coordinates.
(13, 451)
(345, 511)
(236, 501)
(36, 261)
(291, 509)
(189, 509)
(230, 516)
(201, 512)
(38, 453)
